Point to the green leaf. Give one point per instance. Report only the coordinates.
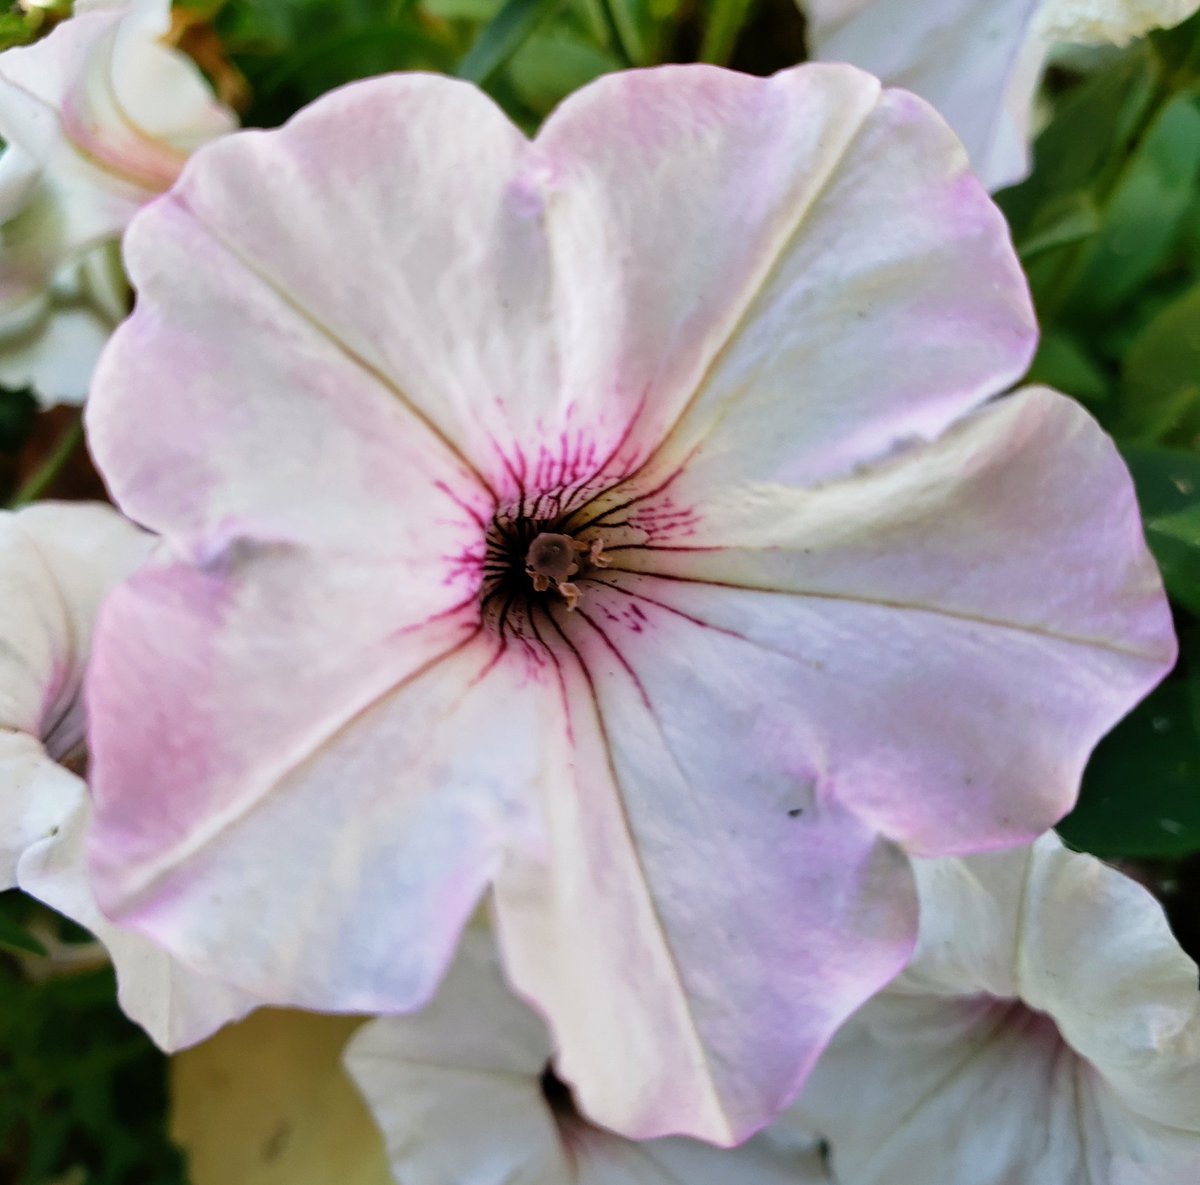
(17, 29)
(1161, 380)
(1064, 221)
(1089, 135)
(82, 1090)
(18, 410)
(1168, 486)
(462, 10)
(1141, 791)
(1167, 480)
(1184, 526)
(293, 51)
(1063, 363)
(550, 65)
(1142, 218)
(501, 37)
(15, 937)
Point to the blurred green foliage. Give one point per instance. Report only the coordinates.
(82, 1089)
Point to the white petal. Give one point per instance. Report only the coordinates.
(176, 1006)
(456, 1090)
(1113, 21)
(957, 662)
(977, 61)
(57, 563)
(703, 931)
(57, 355)
(855, 287)
(36, 797)
(1048, 1029)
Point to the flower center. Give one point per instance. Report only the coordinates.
(553, 559)
(535, 563)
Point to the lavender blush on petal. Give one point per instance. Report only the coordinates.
(618, 527)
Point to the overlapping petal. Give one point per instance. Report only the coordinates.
(1029, 650)
(459, 1091)
(1047, 1029)
(978, 61)
(176, 1006)
(355, 798)
(720, 879)
(57, 564)
(403, 329)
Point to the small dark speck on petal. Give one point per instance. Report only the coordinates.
(795, 812)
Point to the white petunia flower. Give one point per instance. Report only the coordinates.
(1047, 1032)
(98, 118)
(465, 1093)
(979, 62)
(618, 525)
(57, 563)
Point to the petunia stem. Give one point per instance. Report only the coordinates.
(42, 478)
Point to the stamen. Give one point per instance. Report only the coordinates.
(553, 557)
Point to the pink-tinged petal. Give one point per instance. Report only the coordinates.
(708, 908)
(1048, 1028)
(855, 287)
(299, 437)
(96, 119)
(958, 650)
(176, 1006)
(977, 61)
(382, 377)
(459, 1095)
(353, 796)
(413, 244)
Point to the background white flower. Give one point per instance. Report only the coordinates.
(1047, 1032)
(98, 118)
(57, 563)
(979, 62)
(465, 1092)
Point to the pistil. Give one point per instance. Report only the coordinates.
(552, 559)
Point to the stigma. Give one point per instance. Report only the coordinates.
(553, 559)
